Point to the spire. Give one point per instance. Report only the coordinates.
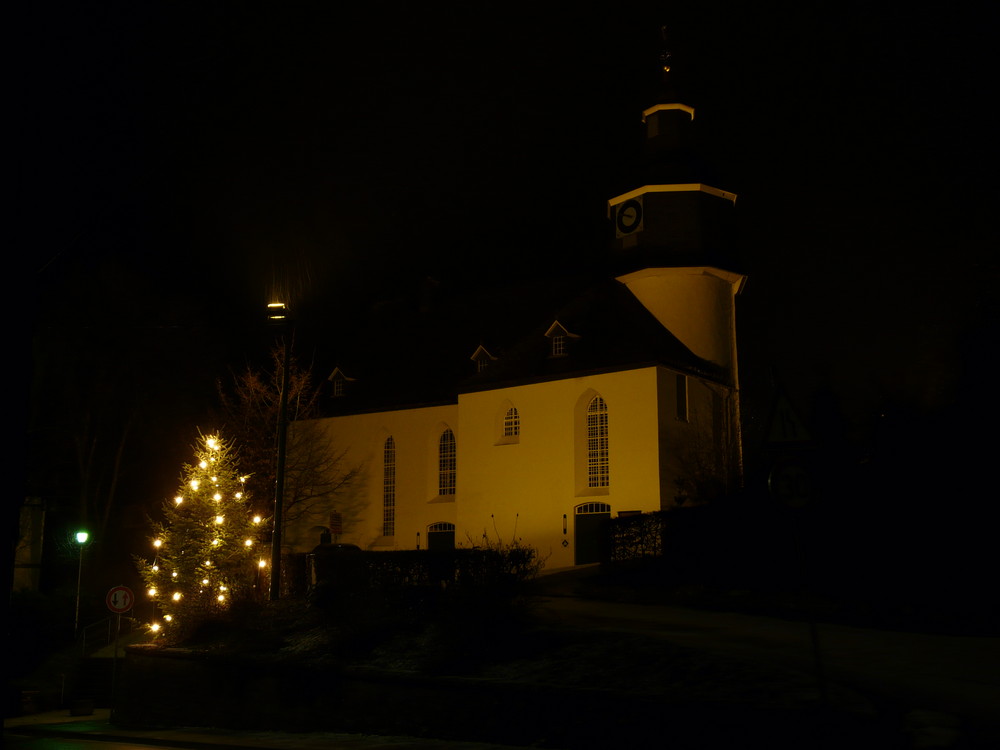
(669, 150)
(665, 92)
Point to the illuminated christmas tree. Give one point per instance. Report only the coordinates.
(205, 552)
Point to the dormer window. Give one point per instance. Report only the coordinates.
(559, 339)
(558, 346)
(482, 358)
(339, 382)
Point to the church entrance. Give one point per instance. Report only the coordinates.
(441, 536)
(588, 519)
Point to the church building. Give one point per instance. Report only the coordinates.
(588, 399)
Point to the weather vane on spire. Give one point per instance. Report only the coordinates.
(665, 56)
(665, 88)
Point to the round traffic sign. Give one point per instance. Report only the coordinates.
(120, 599)
(790, 482)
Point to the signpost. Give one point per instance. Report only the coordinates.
(119, 600)
(790, 482)
(336, 525)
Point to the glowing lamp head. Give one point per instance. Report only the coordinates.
(82, 537)
(276, 311)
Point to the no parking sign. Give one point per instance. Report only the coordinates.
(120, 599)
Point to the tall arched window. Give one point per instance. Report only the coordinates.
(598, 474)
(446, 463)
(389, 487)
(511, 423)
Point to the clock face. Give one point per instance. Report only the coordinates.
(629, 216)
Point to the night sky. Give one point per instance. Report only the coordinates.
(179, 163)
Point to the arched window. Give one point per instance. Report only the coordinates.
(446, 463)
(389, 487)
(598, 474)
(511, 423)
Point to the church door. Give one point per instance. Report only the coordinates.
(587, 531)
(441, 536)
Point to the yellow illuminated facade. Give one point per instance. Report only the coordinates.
(546, 459)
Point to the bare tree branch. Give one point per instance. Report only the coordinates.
(318, 476)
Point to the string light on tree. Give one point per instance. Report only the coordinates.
(203, 551)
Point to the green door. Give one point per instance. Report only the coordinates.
(587, 531)
(441, 536)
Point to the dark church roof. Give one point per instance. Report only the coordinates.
(410, 353)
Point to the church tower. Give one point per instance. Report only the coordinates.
(672, 247)
(673, 235)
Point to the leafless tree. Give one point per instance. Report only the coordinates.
(318, 474)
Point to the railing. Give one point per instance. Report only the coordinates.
(99, 634)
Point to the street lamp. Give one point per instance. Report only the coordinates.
(81, 539)
(277, 312)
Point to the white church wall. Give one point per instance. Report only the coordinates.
(525, 488)
(415, 433)
(693, 445)
(695, 304)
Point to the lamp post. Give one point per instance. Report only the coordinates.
(277, 312)
(81, 539)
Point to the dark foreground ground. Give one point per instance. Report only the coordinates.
(574, 666)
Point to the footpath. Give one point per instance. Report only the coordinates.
(98, 727)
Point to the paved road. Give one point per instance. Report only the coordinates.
(949, 685)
